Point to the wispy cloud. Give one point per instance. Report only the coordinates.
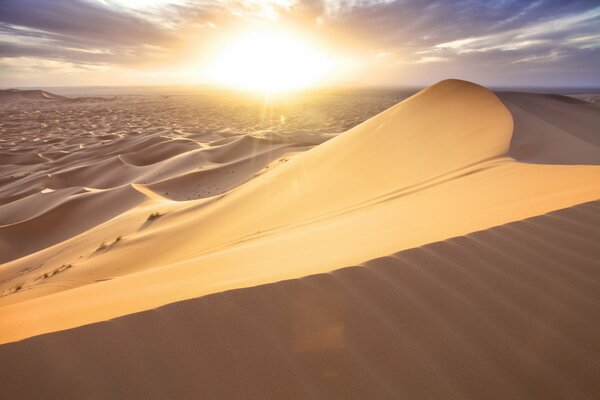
(431, 59)
(562, 31)
(76, 31)
(335, 8)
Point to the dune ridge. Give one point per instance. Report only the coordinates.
(428, 169)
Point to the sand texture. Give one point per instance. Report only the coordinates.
(259, 229)
(511, 312)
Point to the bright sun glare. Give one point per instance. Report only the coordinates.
(269, 62)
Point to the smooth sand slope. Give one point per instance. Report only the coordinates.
(191, 218)
(512, 312)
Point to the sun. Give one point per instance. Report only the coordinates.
(269, 62)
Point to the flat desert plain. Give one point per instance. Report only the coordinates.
(445, 246)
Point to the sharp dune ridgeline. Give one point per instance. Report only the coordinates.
(458, 227)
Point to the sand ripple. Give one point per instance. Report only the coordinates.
(507, 313)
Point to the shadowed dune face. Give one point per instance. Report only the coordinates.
(146, 216)
(65, 219)
(552, 129)
(507, 313)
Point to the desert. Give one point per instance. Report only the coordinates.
(279, 233)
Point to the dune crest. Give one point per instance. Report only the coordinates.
(422, 138)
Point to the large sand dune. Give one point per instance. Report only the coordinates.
(511, 312)
(99, 226)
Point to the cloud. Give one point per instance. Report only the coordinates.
(561, 30)
(334, 8)
(79, 21)
(77, 31)
(430, 59)
(511, 40)
(502, 40)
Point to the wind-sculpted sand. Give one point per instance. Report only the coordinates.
(112, 210)
(507, 313)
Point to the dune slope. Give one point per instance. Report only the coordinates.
(511, 312)
(553, 129)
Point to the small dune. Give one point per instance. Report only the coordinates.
(18, 95)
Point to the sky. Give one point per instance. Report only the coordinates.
(548, 43)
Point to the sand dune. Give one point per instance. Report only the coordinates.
(425, 170)
(159, 152)
(118, 219)
(37, 97)
(34, 205)
(65, 219)
(17, 95)
(506, 313)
